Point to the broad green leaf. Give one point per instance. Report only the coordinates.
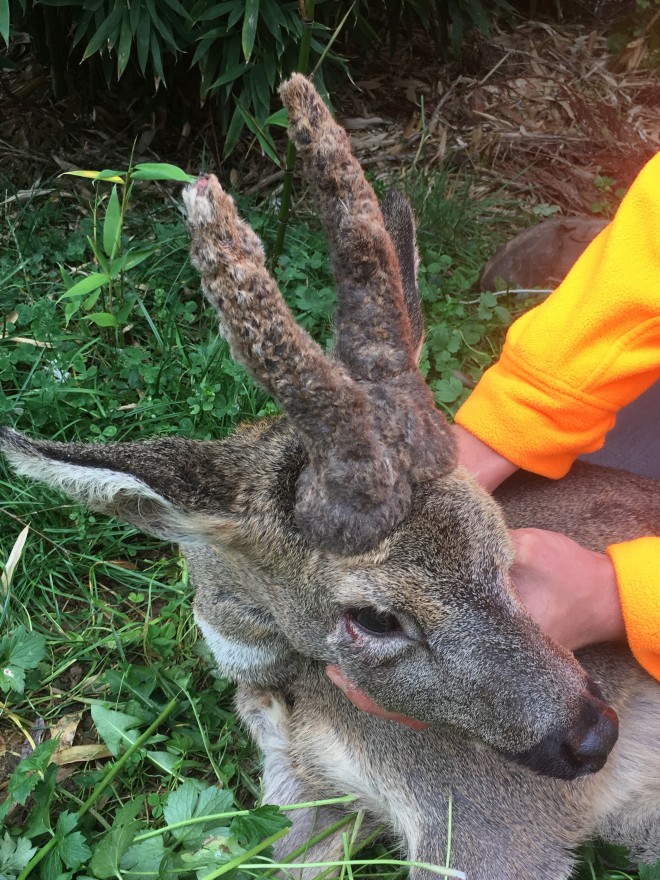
(71, 845)
(160, 171)
(265, 140)
(19, 651)
(180, 806)
(179, 9)
(143, 860)
(102, 319)
(214, 12)
(135, 257)
(86, 285)
(115, 728)
(29, 774)
(231, 74)
(66, 822)
(107, 32)
(156, 58)
(90, 302)
(51, 867)
(112, 225)
(250, 21)
(165, 760)
(112, 176)
(218, 848)
(108, 855)
(4, 20)
(280, 117)
(188, 801)
(15, 853)
(214, 800)
(261, 823)
(143, 38)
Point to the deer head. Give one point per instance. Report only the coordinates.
(343, 533)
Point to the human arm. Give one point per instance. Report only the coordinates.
(567, 367)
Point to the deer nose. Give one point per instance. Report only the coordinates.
(579, 748)
(591, 745)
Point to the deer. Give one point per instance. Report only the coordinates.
(343, 535)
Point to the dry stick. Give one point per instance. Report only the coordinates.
(307, 15)
(114, 770)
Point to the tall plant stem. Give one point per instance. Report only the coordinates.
(307, 15)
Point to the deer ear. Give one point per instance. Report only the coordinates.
(400, 223)
(156, 486)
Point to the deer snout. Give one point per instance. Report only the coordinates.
(583, 746)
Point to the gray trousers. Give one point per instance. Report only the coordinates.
(633, 444)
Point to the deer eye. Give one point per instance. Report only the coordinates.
(373, 622)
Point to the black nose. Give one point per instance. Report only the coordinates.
(591, 746)
(579, 748)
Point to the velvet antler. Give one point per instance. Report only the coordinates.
(373, 336)
(369, 431)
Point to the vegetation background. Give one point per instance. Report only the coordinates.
(120, 755)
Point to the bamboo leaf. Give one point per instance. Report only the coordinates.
(107, 33)
(143, 39)
(112, 225)
(125, 44)
(4, 20)
(109, 176)
(265, 140)
(102, 319)
(87, 285)
(250, 22)
(160, 171)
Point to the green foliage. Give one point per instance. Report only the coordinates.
(609, 195)
(240, 51)
(4, 20)
(448, 22)
(20, 651)
(464, 330)
(15, 853)
(30, 773)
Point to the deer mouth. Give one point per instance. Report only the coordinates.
(362, 701)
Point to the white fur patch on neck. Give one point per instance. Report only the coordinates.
(236, 660)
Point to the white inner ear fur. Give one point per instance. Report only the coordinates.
(116, 492)
(94, 486)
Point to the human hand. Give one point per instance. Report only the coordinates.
(570, 591)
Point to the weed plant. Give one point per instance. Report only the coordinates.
(121, 755)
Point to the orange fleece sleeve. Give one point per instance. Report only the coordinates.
(570, 364)
(637, 566)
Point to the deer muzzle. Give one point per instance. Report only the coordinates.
(580, 748)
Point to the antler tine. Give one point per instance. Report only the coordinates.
(353, 491)
(372, 327)
(373, 335)
(255, 319)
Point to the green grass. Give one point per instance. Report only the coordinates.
(96, 623)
